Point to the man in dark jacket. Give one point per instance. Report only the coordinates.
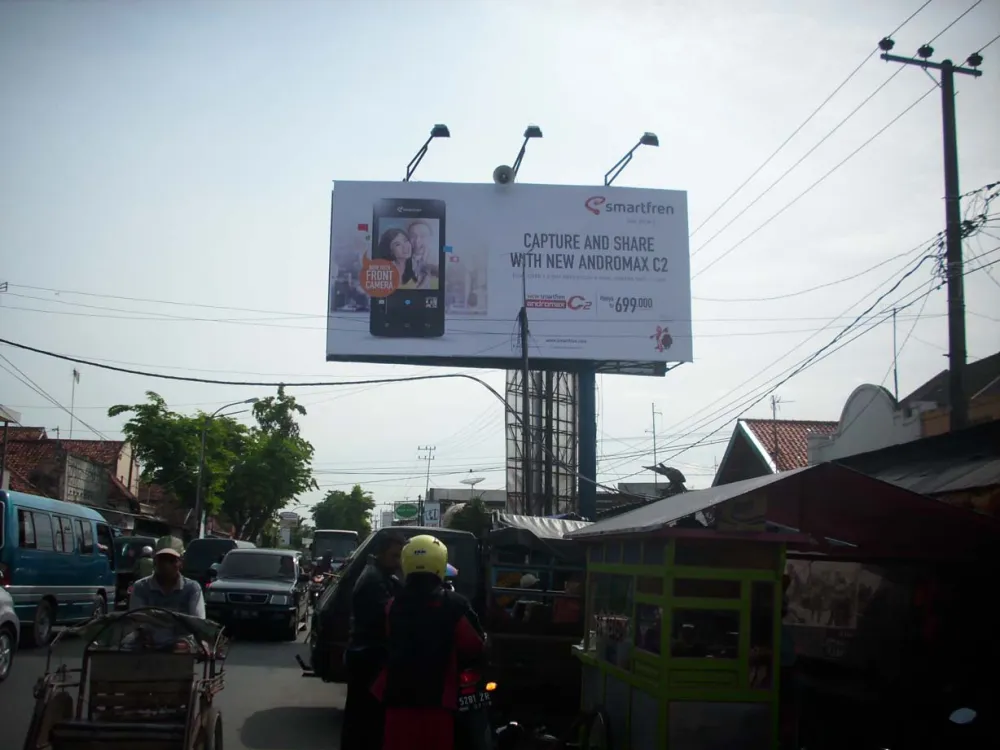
(433, 635)
(366, 648)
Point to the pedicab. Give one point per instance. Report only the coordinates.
(683, 626)
(148, 680)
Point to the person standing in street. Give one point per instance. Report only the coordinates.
(366, 648)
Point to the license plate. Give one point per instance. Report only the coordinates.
(474, 701)
(246, 614)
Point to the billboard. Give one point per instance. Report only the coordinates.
(436, 273)
(432, 514)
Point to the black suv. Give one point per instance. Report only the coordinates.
(202, 553)
(260, 587)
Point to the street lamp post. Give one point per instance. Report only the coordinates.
(199, 511)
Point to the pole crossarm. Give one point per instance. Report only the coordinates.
(929, 64)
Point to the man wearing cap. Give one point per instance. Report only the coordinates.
(167, 588)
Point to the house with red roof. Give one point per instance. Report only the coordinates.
(759, 447)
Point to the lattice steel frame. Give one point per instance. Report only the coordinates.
(554, 439)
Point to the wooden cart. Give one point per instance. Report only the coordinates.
(147, 681)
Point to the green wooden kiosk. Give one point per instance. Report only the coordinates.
(682, 643)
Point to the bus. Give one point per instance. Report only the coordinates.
(57, 562)
(338, 543)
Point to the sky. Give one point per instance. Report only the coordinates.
(164, 201)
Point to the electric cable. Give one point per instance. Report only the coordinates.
(749, 406)
(259, 322)
(814, 185)
(783, 377)
(888, 372)
(805, 122)
(963, 15)
(32, 385)
(801, 159)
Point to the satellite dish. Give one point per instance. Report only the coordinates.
(473, 481)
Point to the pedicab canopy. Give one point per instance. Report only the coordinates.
(682, 639)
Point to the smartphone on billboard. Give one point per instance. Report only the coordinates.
(410, 234)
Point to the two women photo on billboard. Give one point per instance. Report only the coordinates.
(414, 251)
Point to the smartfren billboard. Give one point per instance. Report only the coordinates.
(436, 273)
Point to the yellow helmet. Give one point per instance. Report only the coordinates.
(425, 554)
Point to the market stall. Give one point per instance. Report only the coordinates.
(683, 613)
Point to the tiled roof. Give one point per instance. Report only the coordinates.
(25, 457)
(793, 439)
(24, 433)
(103, 452)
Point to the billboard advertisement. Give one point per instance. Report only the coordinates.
(436, 273)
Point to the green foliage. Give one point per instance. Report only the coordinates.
(345, 510)
(474, 518)
(167, 445)
(250, 473)
(276, 465)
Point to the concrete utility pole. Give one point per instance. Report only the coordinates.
(428, 457)
(953, 218)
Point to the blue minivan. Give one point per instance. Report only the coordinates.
(56, 561)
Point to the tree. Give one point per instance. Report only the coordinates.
(167, 446)
(276, 465)
(345, 510)
(249, 473)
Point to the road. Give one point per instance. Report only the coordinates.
(266, 704)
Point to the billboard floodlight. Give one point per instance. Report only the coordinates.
(648, 139)
(438, 131)
(532, 131)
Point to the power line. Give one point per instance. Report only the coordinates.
(801, 159)
(963, 15)
(797, 368)
(769, 159)
(31, 384)
(255, 322)
(814, 185)
(747, 406)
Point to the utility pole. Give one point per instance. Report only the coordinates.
(428, 457)
(656, 462)
(953, 218)
(72, 400)
(895, 362)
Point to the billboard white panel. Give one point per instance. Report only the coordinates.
(432, 514)
(439, 271)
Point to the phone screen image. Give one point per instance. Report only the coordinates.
(410, 235)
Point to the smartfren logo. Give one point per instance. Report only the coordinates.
(598, 204)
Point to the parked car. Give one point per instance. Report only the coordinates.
(10, 634)
(57, 562)
(201, 553)
(264, 587)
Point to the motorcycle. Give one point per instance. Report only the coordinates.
(317, 585)
(473, 730)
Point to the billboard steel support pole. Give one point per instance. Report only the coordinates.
(587, 400)
(953, 220)
(526, 453)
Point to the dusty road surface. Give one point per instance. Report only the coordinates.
(266, 705)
